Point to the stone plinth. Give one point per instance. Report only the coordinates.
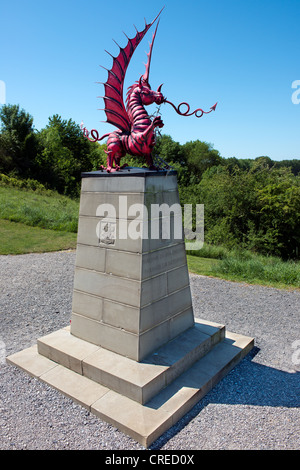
(134, 355)
(131, 285)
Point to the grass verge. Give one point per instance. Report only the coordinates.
(203, 266)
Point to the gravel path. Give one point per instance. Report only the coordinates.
(256, 406)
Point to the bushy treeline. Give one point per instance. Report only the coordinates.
(249, 203)
(55, 156)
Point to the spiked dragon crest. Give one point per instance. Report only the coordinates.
(115, 111)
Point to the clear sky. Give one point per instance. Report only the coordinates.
(243, 54)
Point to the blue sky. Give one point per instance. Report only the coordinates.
(243, 54)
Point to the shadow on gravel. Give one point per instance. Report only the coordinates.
(249, 383)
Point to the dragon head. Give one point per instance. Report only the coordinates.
(149, 96)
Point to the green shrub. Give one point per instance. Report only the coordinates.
(28, 183)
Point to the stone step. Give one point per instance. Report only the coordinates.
(143, 422)
(139, 381)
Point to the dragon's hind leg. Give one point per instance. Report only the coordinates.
(109, 161)
(115, 152)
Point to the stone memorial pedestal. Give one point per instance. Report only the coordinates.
(134, 354)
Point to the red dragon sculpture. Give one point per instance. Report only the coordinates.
(136, 130)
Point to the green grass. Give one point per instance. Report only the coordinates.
(18, 239)
(245, 266)
(48, 210)
(200, 265)
(266, 271)
(35, 221)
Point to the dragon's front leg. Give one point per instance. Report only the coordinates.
(157, 122)
(146, 138)
(149, 140)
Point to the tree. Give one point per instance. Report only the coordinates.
(190, 160)
(279, 207)
(18, 142)
(232, 163)
(200, 156)
(169, 150)
(65, 154)
(14, 119)
(294, 165)
(258, 209)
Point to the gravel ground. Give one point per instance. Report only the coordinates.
(256, 406)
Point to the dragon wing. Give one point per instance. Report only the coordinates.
(115, 111)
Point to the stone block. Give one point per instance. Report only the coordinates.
(90, 231)
(180, 396)
(160, 234)
(108, 286)
(162, 183)
(135, 380)
(124, 264)
(90, 257)
(77, 387)
(87, 305)
(104, 335)
(153, 289)
(162, 260)
(140, 422)
(31, 361)
(121, 316)
(177, 279)
(93, 203)
(181, 322)
(152, 339)
(158, 199)
(164, 308)
(113, 184)
(65, 349)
